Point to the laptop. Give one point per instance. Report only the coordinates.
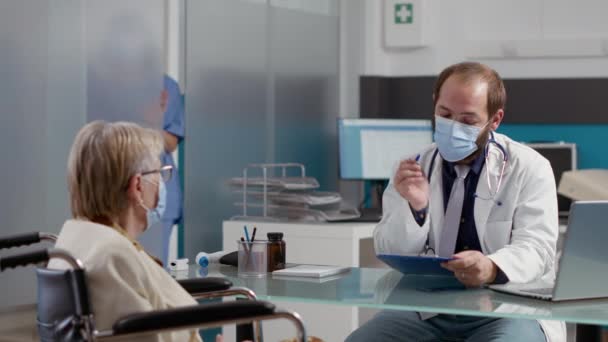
(583, 266)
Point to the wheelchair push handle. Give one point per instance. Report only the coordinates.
(19, 240)
(24, 259)
(39, 256)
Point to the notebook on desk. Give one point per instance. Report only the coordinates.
(312, 271)
(313, 280)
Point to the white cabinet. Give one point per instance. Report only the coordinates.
(342, 244)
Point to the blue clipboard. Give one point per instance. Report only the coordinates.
(418, 265)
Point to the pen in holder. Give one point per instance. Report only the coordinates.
(253, 258)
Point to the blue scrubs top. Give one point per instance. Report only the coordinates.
(173, 122)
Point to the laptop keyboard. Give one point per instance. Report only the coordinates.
(547, 291)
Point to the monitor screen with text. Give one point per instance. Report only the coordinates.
(371, 148)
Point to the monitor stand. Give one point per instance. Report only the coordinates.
(374, 213)
(369, 215)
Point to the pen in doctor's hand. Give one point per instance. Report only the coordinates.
(411, 183)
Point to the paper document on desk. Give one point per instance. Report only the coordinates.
(415, 264)
(313, 271)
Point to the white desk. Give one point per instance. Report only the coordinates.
(342, 244)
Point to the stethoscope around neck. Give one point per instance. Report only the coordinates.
(492, 194)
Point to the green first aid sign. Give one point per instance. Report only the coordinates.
(404, 13)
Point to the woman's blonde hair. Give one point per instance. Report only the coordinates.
(102, 160)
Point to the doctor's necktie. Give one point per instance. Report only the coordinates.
(447, 242)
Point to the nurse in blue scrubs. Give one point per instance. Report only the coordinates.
(172, 102)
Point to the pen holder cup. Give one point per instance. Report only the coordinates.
(253, 258)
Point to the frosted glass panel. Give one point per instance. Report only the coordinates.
(66, 101)
(125, 60)
(54, 54)
(226, 114)
(261, 86)
(125, 70)
(304, 54)
(42, 106)
(326, 7)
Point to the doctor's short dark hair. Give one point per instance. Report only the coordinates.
(469, 71)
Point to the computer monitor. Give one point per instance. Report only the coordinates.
(562, 157)
(370, 148)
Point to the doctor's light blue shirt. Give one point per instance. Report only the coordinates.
(173, 122)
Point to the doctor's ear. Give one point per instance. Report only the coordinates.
(496, 119)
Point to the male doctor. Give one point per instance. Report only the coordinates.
(479, 197)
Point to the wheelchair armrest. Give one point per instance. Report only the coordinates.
(189, 316)
(19, 240)
(201, 285)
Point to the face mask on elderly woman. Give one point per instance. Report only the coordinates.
(154, 215)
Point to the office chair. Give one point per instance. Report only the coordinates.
(64, 312)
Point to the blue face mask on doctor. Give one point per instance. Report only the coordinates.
(454, 139)
(154, 215)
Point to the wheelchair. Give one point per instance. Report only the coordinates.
(64, 312)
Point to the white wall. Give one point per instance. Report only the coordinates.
(519, 38)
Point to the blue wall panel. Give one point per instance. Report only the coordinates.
(590, 139)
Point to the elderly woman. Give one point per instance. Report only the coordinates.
(116, 186)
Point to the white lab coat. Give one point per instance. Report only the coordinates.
(121, 279)
(519, 235)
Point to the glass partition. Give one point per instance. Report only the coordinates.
(60, 60)
(226, 110)
(124, 70)
(261, 86)
(42, 107)
(124, 55)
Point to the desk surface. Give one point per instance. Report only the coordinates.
(389, 289)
